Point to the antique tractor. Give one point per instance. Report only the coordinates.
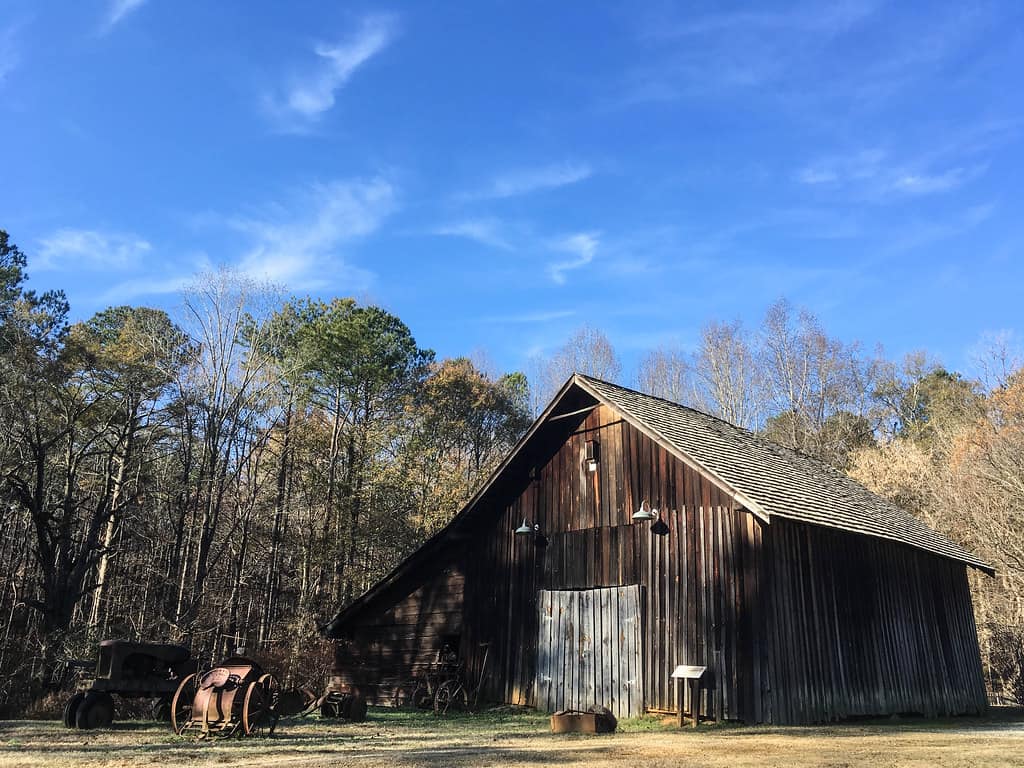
(130, 670)
(235, 698)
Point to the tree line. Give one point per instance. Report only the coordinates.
(227, 477)
(232, 474)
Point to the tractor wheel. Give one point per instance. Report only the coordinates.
(356, 708)
(71, 709)
(95, 711)
(162, 710)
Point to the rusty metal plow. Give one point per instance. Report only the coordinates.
(236, 698)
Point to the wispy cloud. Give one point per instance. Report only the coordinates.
(702, 54)
(873, 173)
(583, 246)
(90, 249)
(307, 97)
(524, 181)
(300, 244)
(917, 234)
(821, 61)
(824, 19)
(484, 231)
(10, 52)
(117, 10)
(152, 285)
(529, 318)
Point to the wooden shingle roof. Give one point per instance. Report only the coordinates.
(773, 480)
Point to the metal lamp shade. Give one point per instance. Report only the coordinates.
(645, 512)
(524, 529)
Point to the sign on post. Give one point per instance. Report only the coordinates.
(684, 674)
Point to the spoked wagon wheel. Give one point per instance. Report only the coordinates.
(181, 704)
(450, 697)
(411, 693)
(258, 715)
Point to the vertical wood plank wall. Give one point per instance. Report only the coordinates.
(589, 650)
(864, 626)
(700, 581)
(392, 645)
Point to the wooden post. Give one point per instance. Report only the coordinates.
(695, 700)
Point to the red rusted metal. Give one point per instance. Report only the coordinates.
(235, 698)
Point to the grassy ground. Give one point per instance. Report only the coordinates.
(518, 739)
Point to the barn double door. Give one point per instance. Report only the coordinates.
(588, 650)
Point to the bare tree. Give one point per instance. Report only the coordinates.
(665, 372)
(587, 351)
(226, 384)
(816, 386)
(728, 378)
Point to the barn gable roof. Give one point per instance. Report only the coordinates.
(763, 477)
(780, 482)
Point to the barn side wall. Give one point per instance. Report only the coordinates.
(400, 638)
(865, 626)
(699, 582)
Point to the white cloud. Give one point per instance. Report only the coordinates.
(299, 245)
(127, 290)
(307, 98)
(10, 52)
(531, 317)
(118, 9)
(484, 231)
(872, 173)
(583, 245)
(918, 234)
(523, 181)
(822, 19)
(89, 249)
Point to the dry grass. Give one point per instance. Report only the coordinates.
(511, 740)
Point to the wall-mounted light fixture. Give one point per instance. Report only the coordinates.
(645, 512)
(591, 455)
(532, 530)
(651, 514)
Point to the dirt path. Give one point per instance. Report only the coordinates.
(519, 740)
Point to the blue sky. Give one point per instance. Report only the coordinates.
(498, 174)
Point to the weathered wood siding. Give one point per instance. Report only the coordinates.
(589, 650)
(865, 626)
(402, 637)
(700, 582)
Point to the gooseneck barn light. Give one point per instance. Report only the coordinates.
(645, 512)
(531, 530)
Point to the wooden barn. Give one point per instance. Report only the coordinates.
(807, 597)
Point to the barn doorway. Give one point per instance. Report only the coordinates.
(588, 650)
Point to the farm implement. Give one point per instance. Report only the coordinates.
(130, 670)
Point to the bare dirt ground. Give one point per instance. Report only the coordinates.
(520, 739)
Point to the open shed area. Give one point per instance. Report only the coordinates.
(517, 739)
